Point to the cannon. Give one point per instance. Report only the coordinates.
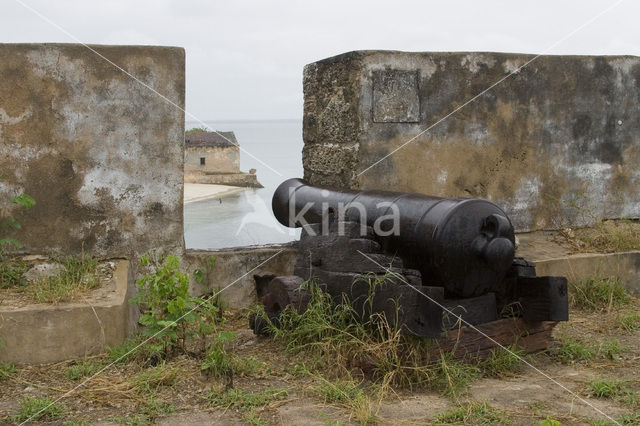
(465, 245)
(450, 259)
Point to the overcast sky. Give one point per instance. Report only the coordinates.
(245, 58)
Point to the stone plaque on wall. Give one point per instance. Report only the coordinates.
(395, 97)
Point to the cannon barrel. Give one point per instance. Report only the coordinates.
(465, 245)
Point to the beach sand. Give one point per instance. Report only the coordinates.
(198, 192)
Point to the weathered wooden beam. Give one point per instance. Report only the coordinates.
(473, 310)
(543, 298)
(471, 341)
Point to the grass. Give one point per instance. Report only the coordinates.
(453, 377)
(630, 321)
(133, 349)
(548, 421)
(472, 413)
(573, 350)
(77, 277)
(333, 336)
(147, 412)
(611, 349)
(11, 271)
(246, 402)
(614, 388)
(6, 370)
(607, 388)
(350, 394)
(500, 362)
(598, 293)
(82, 369)
(36, 408)
(242, 400)
(630, 419)
(151, 379)
(608, 236)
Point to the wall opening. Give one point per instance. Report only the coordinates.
(202, 161)
(241, 216)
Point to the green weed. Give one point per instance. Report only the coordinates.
(351, 395)
(614, 388)
(6, 370)
(133, 349)
(501, 362)
(609, 236)
(335, 334)
(550, 422)
(241, 400)
(598, 293)
(247, 366)
(9, 225)
(82, 369)
(217, 362)
(11, 271)
(453, 377)
(606, 388)
(630, 321)
(171, 316)
(77, 277)
(611, 349)
(473, 412)
(151, 379)
(629, 419)
(573, 350)
(147, 413)
(253, 419)
(154, 408)
(75, 423)
(35, 408)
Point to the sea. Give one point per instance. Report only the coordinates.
(274, 149)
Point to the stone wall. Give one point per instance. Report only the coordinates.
(217, 159)
(101, 154)
(237, 269)
(556, 143)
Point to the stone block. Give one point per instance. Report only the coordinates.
(555, 144)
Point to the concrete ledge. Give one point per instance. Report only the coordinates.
(232, 267)
(235, 268)
(39, 334)
(247, 180)
(624, 265)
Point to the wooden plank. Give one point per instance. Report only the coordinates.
(473, 310)
(466, 341)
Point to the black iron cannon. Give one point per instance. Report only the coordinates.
(452, 260)
(465, 245)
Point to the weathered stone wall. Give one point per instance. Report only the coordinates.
(237, 270)
(101, 154)
(556, 144)
(217, 159)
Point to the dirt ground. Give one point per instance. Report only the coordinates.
(275, 390)
(183, 395)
